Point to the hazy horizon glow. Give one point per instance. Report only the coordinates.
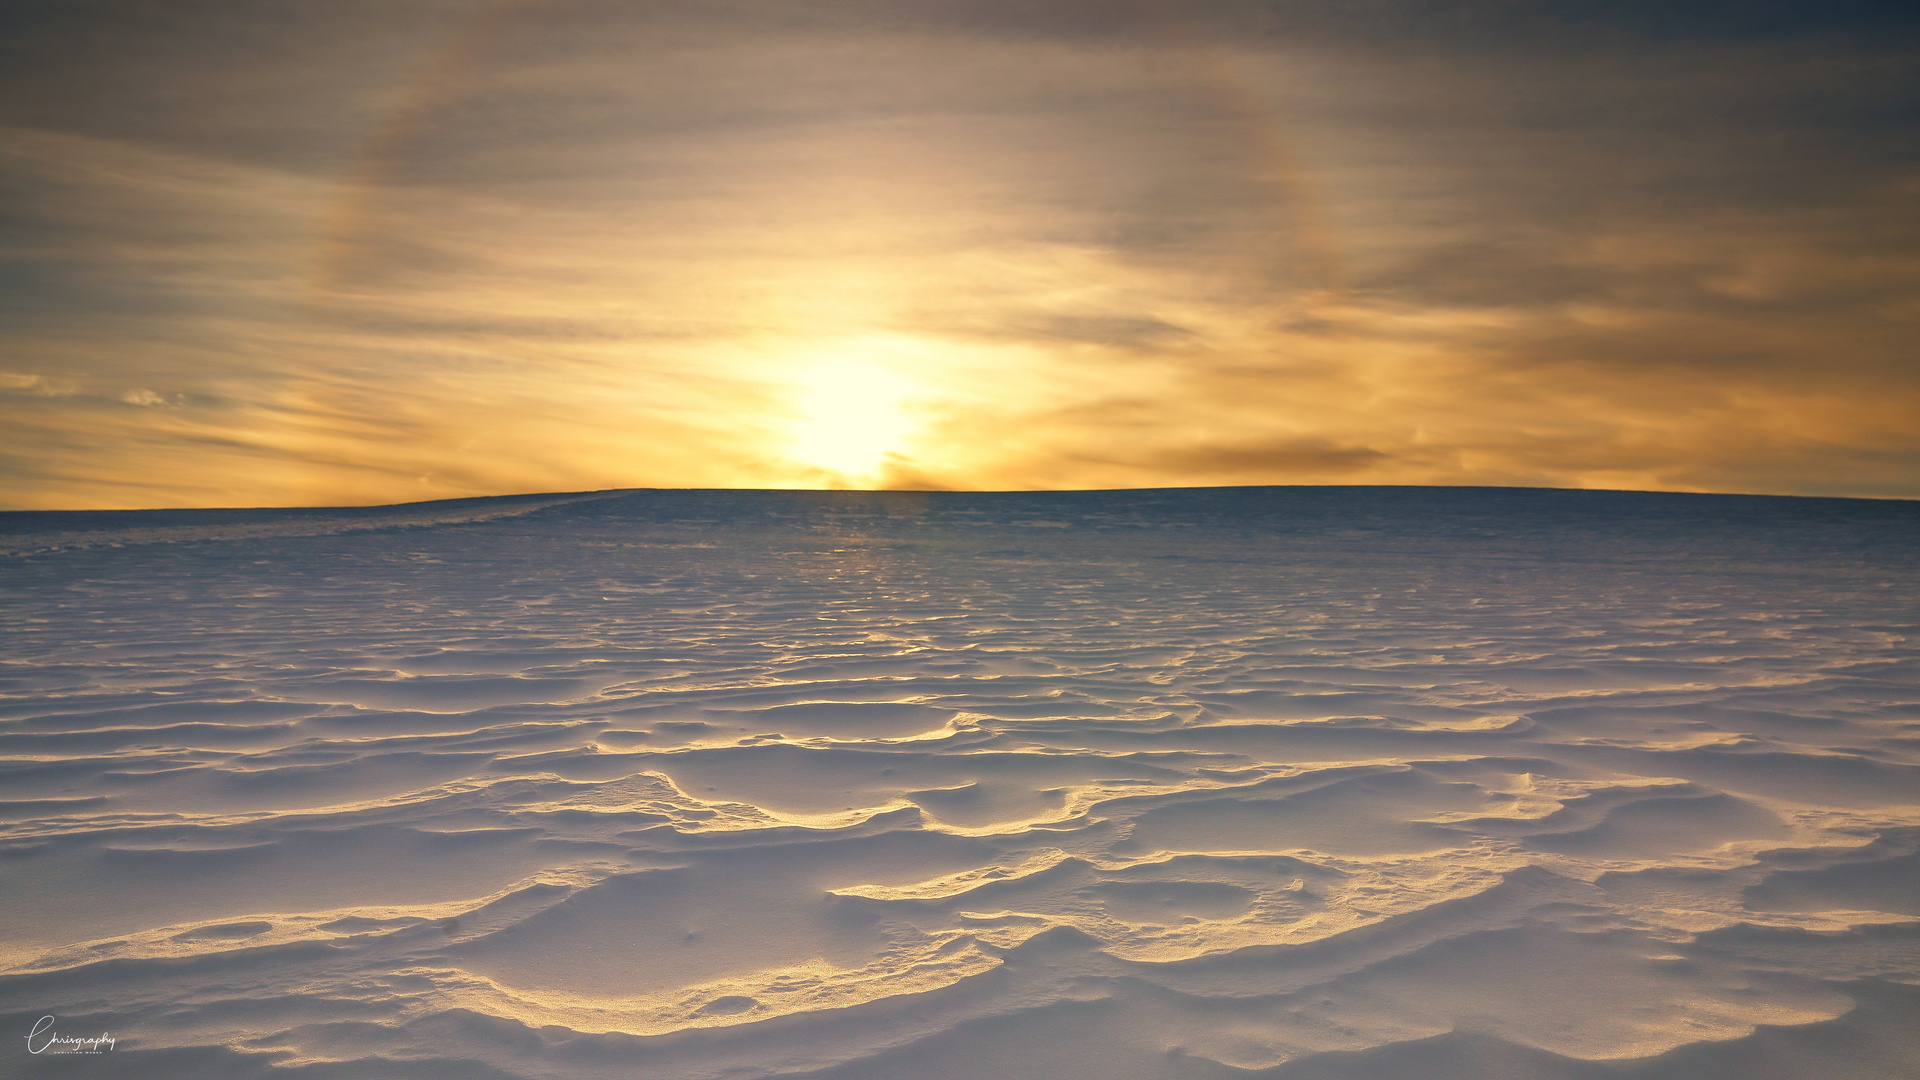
(287, 255)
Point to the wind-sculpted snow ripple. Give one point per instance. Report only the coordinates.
(1278, 782)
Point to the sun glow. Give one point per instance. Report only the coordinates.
(853, 417)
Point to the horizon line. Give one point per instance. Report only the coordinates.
(612, 492)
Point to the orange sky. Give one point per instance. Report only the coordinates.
(291, 254)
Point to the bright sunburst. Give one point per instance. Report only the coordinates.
(852, 416)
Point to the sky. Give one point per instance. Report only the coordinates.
(280, 253)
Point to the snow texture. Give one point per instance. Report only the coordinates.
(1300, 783)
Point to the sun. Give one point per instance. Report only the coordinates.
(852, 417)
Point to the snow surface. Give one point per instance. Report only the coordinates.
(1291, 782)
